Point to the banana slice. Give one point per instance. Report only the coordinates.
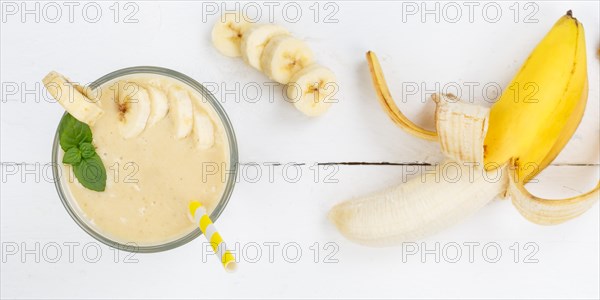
(312, 89)
(159, 105)
(255, 39)
(181, 112)
(72, 99)
(228, 32)
(203, 132)
(134, 110)
(284, 56)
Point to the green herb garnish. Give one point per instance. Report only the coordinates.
(76, 140)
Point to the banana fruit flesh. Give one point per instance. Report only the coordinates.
(134, 110)
(528, 126)
(228, 32)
(284, 56)
(256, 39)
(312, 89)
(72, 98)
(139, 106)
(461, 128)
(425, 205)
(181, 112)
(159, 104)
(203, 130)
(287, 60)
(417, 208)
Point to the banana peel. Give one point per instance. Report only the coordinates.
(389, 106)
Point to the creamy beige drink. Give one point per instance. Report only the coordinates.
(153, 173)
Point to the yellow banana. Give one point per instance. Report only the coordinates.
(526, 129)
(539, 104)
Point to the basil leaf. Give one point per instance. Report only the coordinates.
(72, 156)
(76, 140)
(72, 132)
(87, 150)
(91, 173)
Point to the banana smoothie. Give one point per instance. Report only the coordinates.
(162, 145)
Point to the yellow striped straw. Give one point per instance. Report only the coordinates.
(212, 235)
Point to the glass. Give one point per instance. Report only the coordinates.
(76, 214)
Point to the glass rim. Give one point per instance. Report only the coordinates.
(233, 160)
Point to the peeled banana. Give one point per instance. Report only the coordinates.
(521, 131)
(425, 205)
(72, 98)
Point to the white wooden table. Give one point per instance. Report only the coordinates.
(274, 217)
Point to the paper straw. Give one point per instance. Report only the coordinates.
(212, 235)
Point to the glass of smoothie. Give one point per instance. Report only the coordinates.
(152, 176)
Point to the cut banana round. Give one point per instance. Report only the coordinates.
(228, 32)
(134, 110)
(70, 96)
(284, 56)
(312, 89)
(159, 105)
(181, 112)
(255, 39)
(203, 132)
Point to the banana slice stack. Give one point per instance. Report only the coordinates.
(138, 106)
(283, 58)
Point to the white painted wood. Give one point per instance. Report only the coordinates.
(172, 35)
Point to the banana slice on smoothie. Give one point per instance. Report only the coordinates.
(134, 110)
(71, 97)
(284, 56)
(255, 39)
(181, 112)
(228, 32)
(204, 131)
(159, 105)
(312, 90)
